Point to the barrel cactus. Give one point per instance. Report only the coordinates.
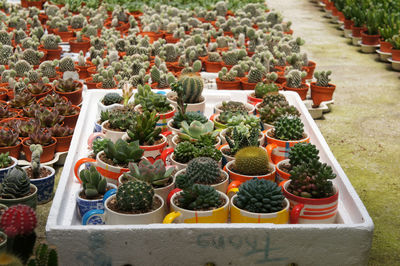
(289, 128)
(21, 67)
(323, 78)
(193, 88)
(5, 37)
(252, 161)
(259, 196)
(203, 170)
(112, 98)
(6, 51)
(15, 184)
(135, 196)
(199, 197)
(32, 57)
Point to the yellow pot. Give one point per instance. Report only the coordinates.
(242, 216)
(179, 215)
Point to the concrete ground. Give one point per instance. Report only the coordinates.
(363, 128)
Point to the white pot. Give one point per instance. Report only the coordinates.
(175, 141)
(222, 186)
(103, 107)
(222, 135)
(250, 108)
(191, 107)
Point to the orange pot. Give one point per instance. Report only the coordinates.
(301, 91)
(12, 150)
(170, 39)
(90, 84)
(348, 23)
(63, 143)
(356, 31)
(310, 69)
(75, 97)
(53, 54)
(100, 86)
(247, 85)
(70, 120)
(386, 47)
(3, 94)
(212, 67)
(76, 47)
(48, 151)
(65, 36)
(395, 54)
(369, 39)
(228, 85)
(83, 70)
(43, 94)
(321, 94)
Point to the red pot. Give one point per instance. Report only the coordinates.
(90, 84)
(369, 39)
(229, 85)
(100, 86)
(356, 31)
(65, 36)
(53, 54)
(301, 91)
(213, 67)
(70, 120)
(247, 85)
(321, 94)
(386, 47)
(48, 151)
(395, 54)
(75, 97)
(76, 47)
(43, 94)
(12, 150)
(63, 143)
(83, 70)
(251, 99)
(310, 69)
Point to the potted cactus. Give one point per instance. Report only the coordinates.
(213, 62)
(259, 201)
(64, 31)
(79, 43)
(7, 163)
(228, 80)
(133, 203)
(94, 186)
(70, 89)
(50, 45)
(395, 41)
(198, 204)
(188, 91)
(9, 142)
(233, 106)
(82, 65)
(63, 135)
(44, 254)
(19, 223)
(256, 75)
(110, 101)
(263, 89)
(322, 90)
(41, 176)
(48, 69)
(66, 64)
(311, 188)
(294, 83)
(206, 171)
(108, 79)
(374, 18)
(156, 174)
(43, 138)
(17, 189)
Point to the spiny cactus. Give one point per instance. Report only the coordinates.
(295, 60)
(271, 111)
(121, 120)
(221, 8)
(252, 161)
(44, 255)
(34, 76)
(241, 140)
(21, 67)
(214, 57)
(15, 184)
(203, 170)
(48, 68)
(196, 67)
(50, 41)
(224, 75)
(256, 74)
(5, 160)
(199, 197)
(66, 64)
(37, 151)
(18, 220)
(184, 152)
(232, 57)
(32, 57)
(135, 196)
(323, 78)
(94, 184)
(259, 196)
(5, 37)
(107, 78)
(294, 77)
(78, 21)
(6, 52)
(111, 98)
(289, 128)
(312, 180)
(171, 52)
(192, 87)
(19, 35)
(303, 153)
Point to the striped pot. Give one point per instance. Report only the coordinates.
(312, 211)
(164, 119)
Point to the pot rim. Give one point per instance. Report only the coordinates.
(311, 201)
(203, 212)
(286, 208)
(133, 214)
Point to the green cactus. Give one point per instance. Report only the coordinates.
(51, 41)
(155, 174)
(5, 37)
(77, 21)
(199, 197)
(184, 152)
(48, 68)
(294, 78)
(15, 184)
(295, 60)
(214, 57)
(112, 98)
(44, 255)
(270, 112)
(260, 196)
(66, 64)
(312, 180)
(171, 52)
(145, 130)
(108, 78)
(323, 78)
(252, 161)
(19, 35)
(303, 153)
(241, 140)
(289, 128)
(224, 75)
(192, 88)
(196, 67)
(135, 196)
(263, 89)
(93, 183)
(37, 151)
(21, 67)
(256, 74)
(203, 170)
(221, 8)
(122, 152)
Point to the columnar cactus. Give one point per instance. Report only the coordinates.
(50, 41)
(289, 128)
(323, 78)
(135, 196)
(260, 196)
(32, 57)
(192, 87)
(66, 64)
(294, 77)
(252, 161)
(37, 151)
(15, 184)
(203, 170)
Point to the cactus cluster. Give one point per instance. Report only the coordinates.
(203, 170)
(323, 78)
(15, 184)
(199, 197)
(5, 37)
(50, 41)
(185, 151)
(252, 161)
(135, 196)
(21, 67)
(241, 140)
(66, 64)
(289, 128)
(294, 78)
(303, 153)
(260, 196)
(224, 75)
(94, 184)
(48, 68)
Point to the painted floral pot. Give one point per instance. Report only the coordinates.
(4, 171)
(45, 185)
(85, 205)
(279, 149)
(222, 186)
(312, 211)
(30, 200)
(180, 215)
(110, 217)
(242, 216)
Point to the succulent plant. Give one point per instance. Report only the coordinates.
(61, 131)
(184, 152)
(303, 153)
(199, 197)
(112, 98)
(67, 85)
(189, 117)
(78, 21)
(20, 219)
(34, 76)
(6, 113)
(50, 100)
(93, 183)
(24, 128)
(21, 67)
(144, 129)
(203, 170)
(122, 152)
(5, 160)
(256, 73)
(252, 161)
(66, 64)
(50, 41)
(323, 78)
(312, 180)
(15, 184)
(37, 151)
(40, 137)
(192, 88)
(198, 132)
(260, 196)
(48, 118)
(30, 111)
(289, 128)
(65, 108)
(48, 68)
(32, 57)
(6, 52)
(231, 58)
(153, 173)
(233, 106)
(273, 107)
(135, 196)
(224, 75)
(99, 144)
(241, 140)
(44, 255)
(108, 78)
(8, 138)
(38, 88)
(294, 77)
(6, 37)
(119, 119)
(263, 89)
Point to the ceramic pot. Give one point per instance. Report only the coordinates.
(3, 171)
(193, 107)
(280, 174)
(45, 185)
(85, 205)
(30, 200)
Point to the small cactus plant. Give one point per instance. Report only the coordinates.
(303, 153)
(5, 160)
(252, 161)
(323, 78)
(37, 151)
(224, 75)
(50, 41)
(44, 255)
(192, 88)
(112, 98)
(294, 77)
(94, 184)
(122, 152)
(199, 197)
(241, 140)
(289, 128)
(135, 196)
(203, 170)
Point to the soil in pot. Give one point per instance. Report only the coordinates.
(112, 205)
(105, 159)
(44, 172)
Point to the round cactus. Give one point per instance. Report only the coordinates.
(111, 98)
(184, 152)
(259, 196)
(203, 170)
(135, 196)
(67, 64)
(193, 87)
(289, 128)
(252, 161)
(303, 153)
(18, 220)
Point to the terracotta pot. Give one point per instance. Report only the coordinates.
(356, 31)
(100, 86)
(53, 54)
(281, 78)
(321, 94)
(301, 91)
(310, 69)
(213, 67)
(48, 151)
(75, 97)
(395, 54)
(37, 4)
(176, 67)
(247, 85)
(76, 47)
(3, 94)
(153, 36)
(43, 18)
(369, 39)
(12, 150)
(229, 85)
(63, 143)
(24, 3)
(92, 70)
(65, 36)
(70, 120)
(83, 70)
(43, 94)
(348, 23)
(386, 47)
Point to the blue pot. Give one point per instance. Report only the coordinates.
(44, 185)
(85, 205)
(4, 171)
(97, 127)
